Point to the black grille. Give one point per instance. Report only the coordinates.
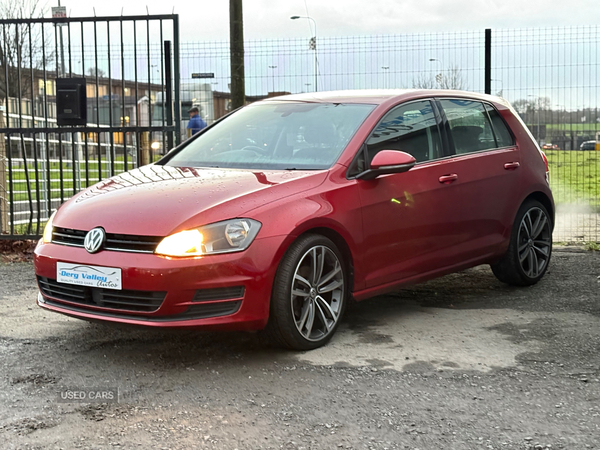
(210, 310)
(114, 242)
(126, 300)
(203, 311)
(226, 293)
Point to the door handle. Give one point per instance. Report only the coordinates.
(447, 179)
(512, 165)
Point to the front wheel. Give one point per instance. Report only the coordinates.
(530, 248)
(309, 294)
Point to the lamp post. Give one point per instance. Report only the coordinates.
(439, 77)
(273, 75)
(313, 45)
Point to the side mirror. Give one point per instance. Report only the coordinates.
(388, 161)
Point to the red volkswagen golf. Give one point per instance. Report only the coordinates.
(279, 214)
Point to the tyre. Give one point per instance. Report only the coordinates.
(309, 294)
(530, 248)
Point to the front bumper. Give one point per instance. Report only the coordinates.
(229, 291)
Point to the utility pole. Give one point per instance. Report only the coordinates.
(62, 48)
(236, 37)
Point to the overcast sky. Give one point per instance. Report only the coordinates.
(209, 20)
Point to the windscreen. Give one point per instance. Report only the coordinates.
(284, 136)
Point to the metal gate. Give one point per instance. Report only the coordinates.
(127, 68)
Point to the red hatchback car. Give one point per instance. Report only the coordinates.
(279, 214)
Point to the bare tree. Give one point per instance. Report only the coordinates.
(424, 82)
(522, 106)
(93, 71)
(21, 49)
(452, 78)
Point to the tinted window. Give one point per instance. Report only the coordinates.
(411, 128)
(469, 125)
(503, 136)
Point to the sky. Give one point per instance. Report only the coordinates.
(359, 63)
(202, 20)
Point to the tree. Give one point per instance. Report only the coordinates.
(424, 82)
(93, 71)
(452, 78)
(21, 48)
(522, 106)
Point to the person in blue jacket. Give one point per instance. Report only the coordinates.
(196, 123)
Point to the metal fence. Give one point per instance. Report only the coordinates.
(550, 75)
(79, 99)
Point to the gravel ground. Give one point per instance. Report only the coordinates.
(462, 362)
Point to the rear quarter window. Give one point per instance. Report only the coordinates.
(503, 136)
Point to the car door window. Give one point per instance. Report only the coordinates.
(503, 136)
(469, 124)
(411, 128)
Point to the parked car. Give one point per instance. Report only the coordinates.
(339, 196)
(588, 145)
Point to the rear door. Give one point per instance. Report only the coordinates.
(487, 164)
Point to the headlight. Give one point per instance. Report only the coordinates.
(229, 236)
(47, 236)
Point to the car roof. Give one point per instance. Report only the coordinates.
(380, 96)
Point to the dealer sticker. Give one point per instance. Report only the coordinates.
(92, 276)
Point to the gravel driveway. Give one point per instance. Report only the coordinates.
(462, 362)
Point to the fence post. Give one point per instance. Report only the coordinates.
(488, 61)
(3, 182)
(168, 101)
(144, 149)
(176, 75)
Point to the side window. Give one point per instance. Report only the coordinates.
(411, 128)
(503, 136)
(469, 125)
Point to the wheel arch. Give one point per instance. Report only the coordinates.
(544, 200)
(341, 244)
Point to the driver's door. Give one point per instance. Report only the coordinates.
(410, 219)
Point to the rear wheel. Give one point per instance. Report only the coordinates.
(530, 248)
(309, 294)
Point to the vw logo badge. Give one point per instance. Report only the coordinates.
(94, 240)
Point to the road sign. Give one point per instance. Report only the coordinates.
(59, 12)
(203, 75)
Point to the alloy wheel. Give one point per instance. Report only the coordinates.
(317, 293)
(534, 242)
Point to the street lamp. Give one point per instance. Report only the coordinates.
(313, 46)
(439, 77)
(273, 73)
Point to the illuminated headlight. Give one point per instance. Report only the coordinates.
(229, 236)
(47, 236)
